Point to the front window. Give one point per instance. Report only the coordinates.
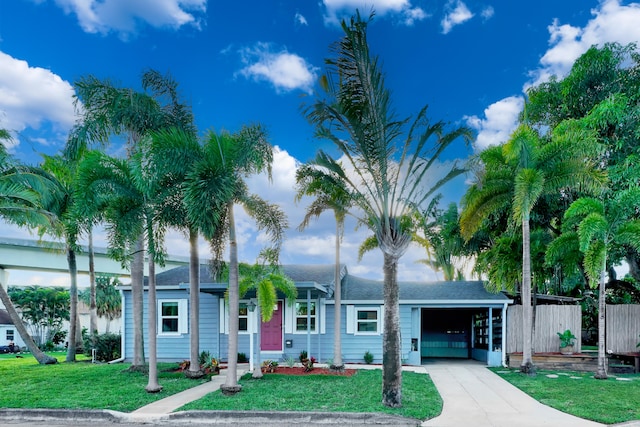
(10, 335)
(367, 321)
(172, 317)
(302, 308)
(243, 318)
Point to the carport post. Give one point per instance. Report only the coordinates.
(309, 323)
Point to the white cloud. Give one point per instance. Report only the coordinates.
(123, 16)
(32, 96)
(500, 119)
(611, 22)
(487, 12)
(456, 13)
(300, 19)
(336, 10)
(285, 71)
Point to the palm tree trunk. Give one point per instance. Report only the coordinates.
(231, 383)
(73, 302)
(93, 307)
(391, 340)
(137, 296)
(602, 307)
(42, 358)
(337, 298)
(194, 302)
(152, 326)
(527, 356)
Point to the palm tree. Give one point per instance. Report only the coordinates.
(599, 226)
(385, 177)
(107, 298)
(266, 281)
(109, 110)
(523, 171)
(328, 195)
(20, 205)
(59, 174)
(173, 153)
(214, 185)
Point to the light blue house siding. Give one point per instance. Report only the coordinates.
(440, 319)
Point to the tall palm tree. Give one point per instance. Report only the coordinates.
(329, 194)
(59, 174)
(523, 171)
(214, 185)
(107, 110)
(173, 153)
(383, 173)
(599, 226)
(20, 205)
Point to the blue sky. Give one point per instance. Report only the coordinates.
(258, 61)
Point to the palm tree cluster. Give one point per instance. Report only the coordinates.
(561, 193)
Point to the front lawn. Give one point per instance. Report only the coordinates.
(610, 401)
(82, 385)
(358, 393)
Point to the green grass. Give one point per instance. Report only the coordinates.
(358, 393)
(81, 385)
(578, 393)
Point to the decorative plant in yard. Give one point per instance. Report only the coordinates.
(567, 341)
(308, 364)
(368, 357)
(269, 366)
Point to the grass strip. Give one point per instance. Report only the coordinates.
(361, 392)
(578, 393)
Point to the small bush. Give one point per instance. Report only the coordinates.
(303, 356)
(242, 358)
(107, 346)
(368, 357)
(269, 366)
(290, 361)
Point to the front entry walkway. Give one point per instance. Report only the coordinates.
(475, 396)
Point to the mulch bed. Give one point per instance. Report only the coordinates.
(296, 370)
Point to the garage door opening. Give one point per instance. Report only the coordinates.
(446, 333)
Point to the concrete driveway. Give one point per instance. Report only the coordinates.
(475, 396)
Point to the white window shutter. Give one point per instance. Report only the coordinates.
(158, 316)
(224, 325)
(183, 316)
(381, 319)
(288, 316)
(350, 321)
(323, 316)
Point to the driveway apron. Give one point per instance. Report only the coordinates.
(475, 396)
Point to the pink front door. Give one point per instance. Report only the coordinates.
(271, 331)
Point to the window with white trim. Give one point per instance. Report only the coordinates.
(301, 310)
(172, 317)
(367, 321)
(10, 335)
(364, 320)
(243, 317)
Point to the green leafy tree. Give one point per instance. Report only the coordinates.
(107, 297)
(331, 195)
(214, 186)
(599, 225)
(383, 173)
(44, 308)
(526, 169)
(21, 205)
(108, 110)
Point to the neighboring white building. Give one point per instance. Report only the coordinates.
(8, 332)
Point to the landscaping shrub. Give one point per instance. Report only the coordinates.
(107, 346)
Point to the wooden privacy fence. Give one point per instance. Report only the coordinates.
(623, 328)
(550, 319)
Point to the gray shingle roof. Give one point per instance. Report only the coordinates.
(5, 319)
(356, 288)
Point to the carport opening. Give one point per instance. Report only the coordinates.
(448, 333)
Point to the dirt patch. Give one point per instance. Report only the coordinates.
(285, 370)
